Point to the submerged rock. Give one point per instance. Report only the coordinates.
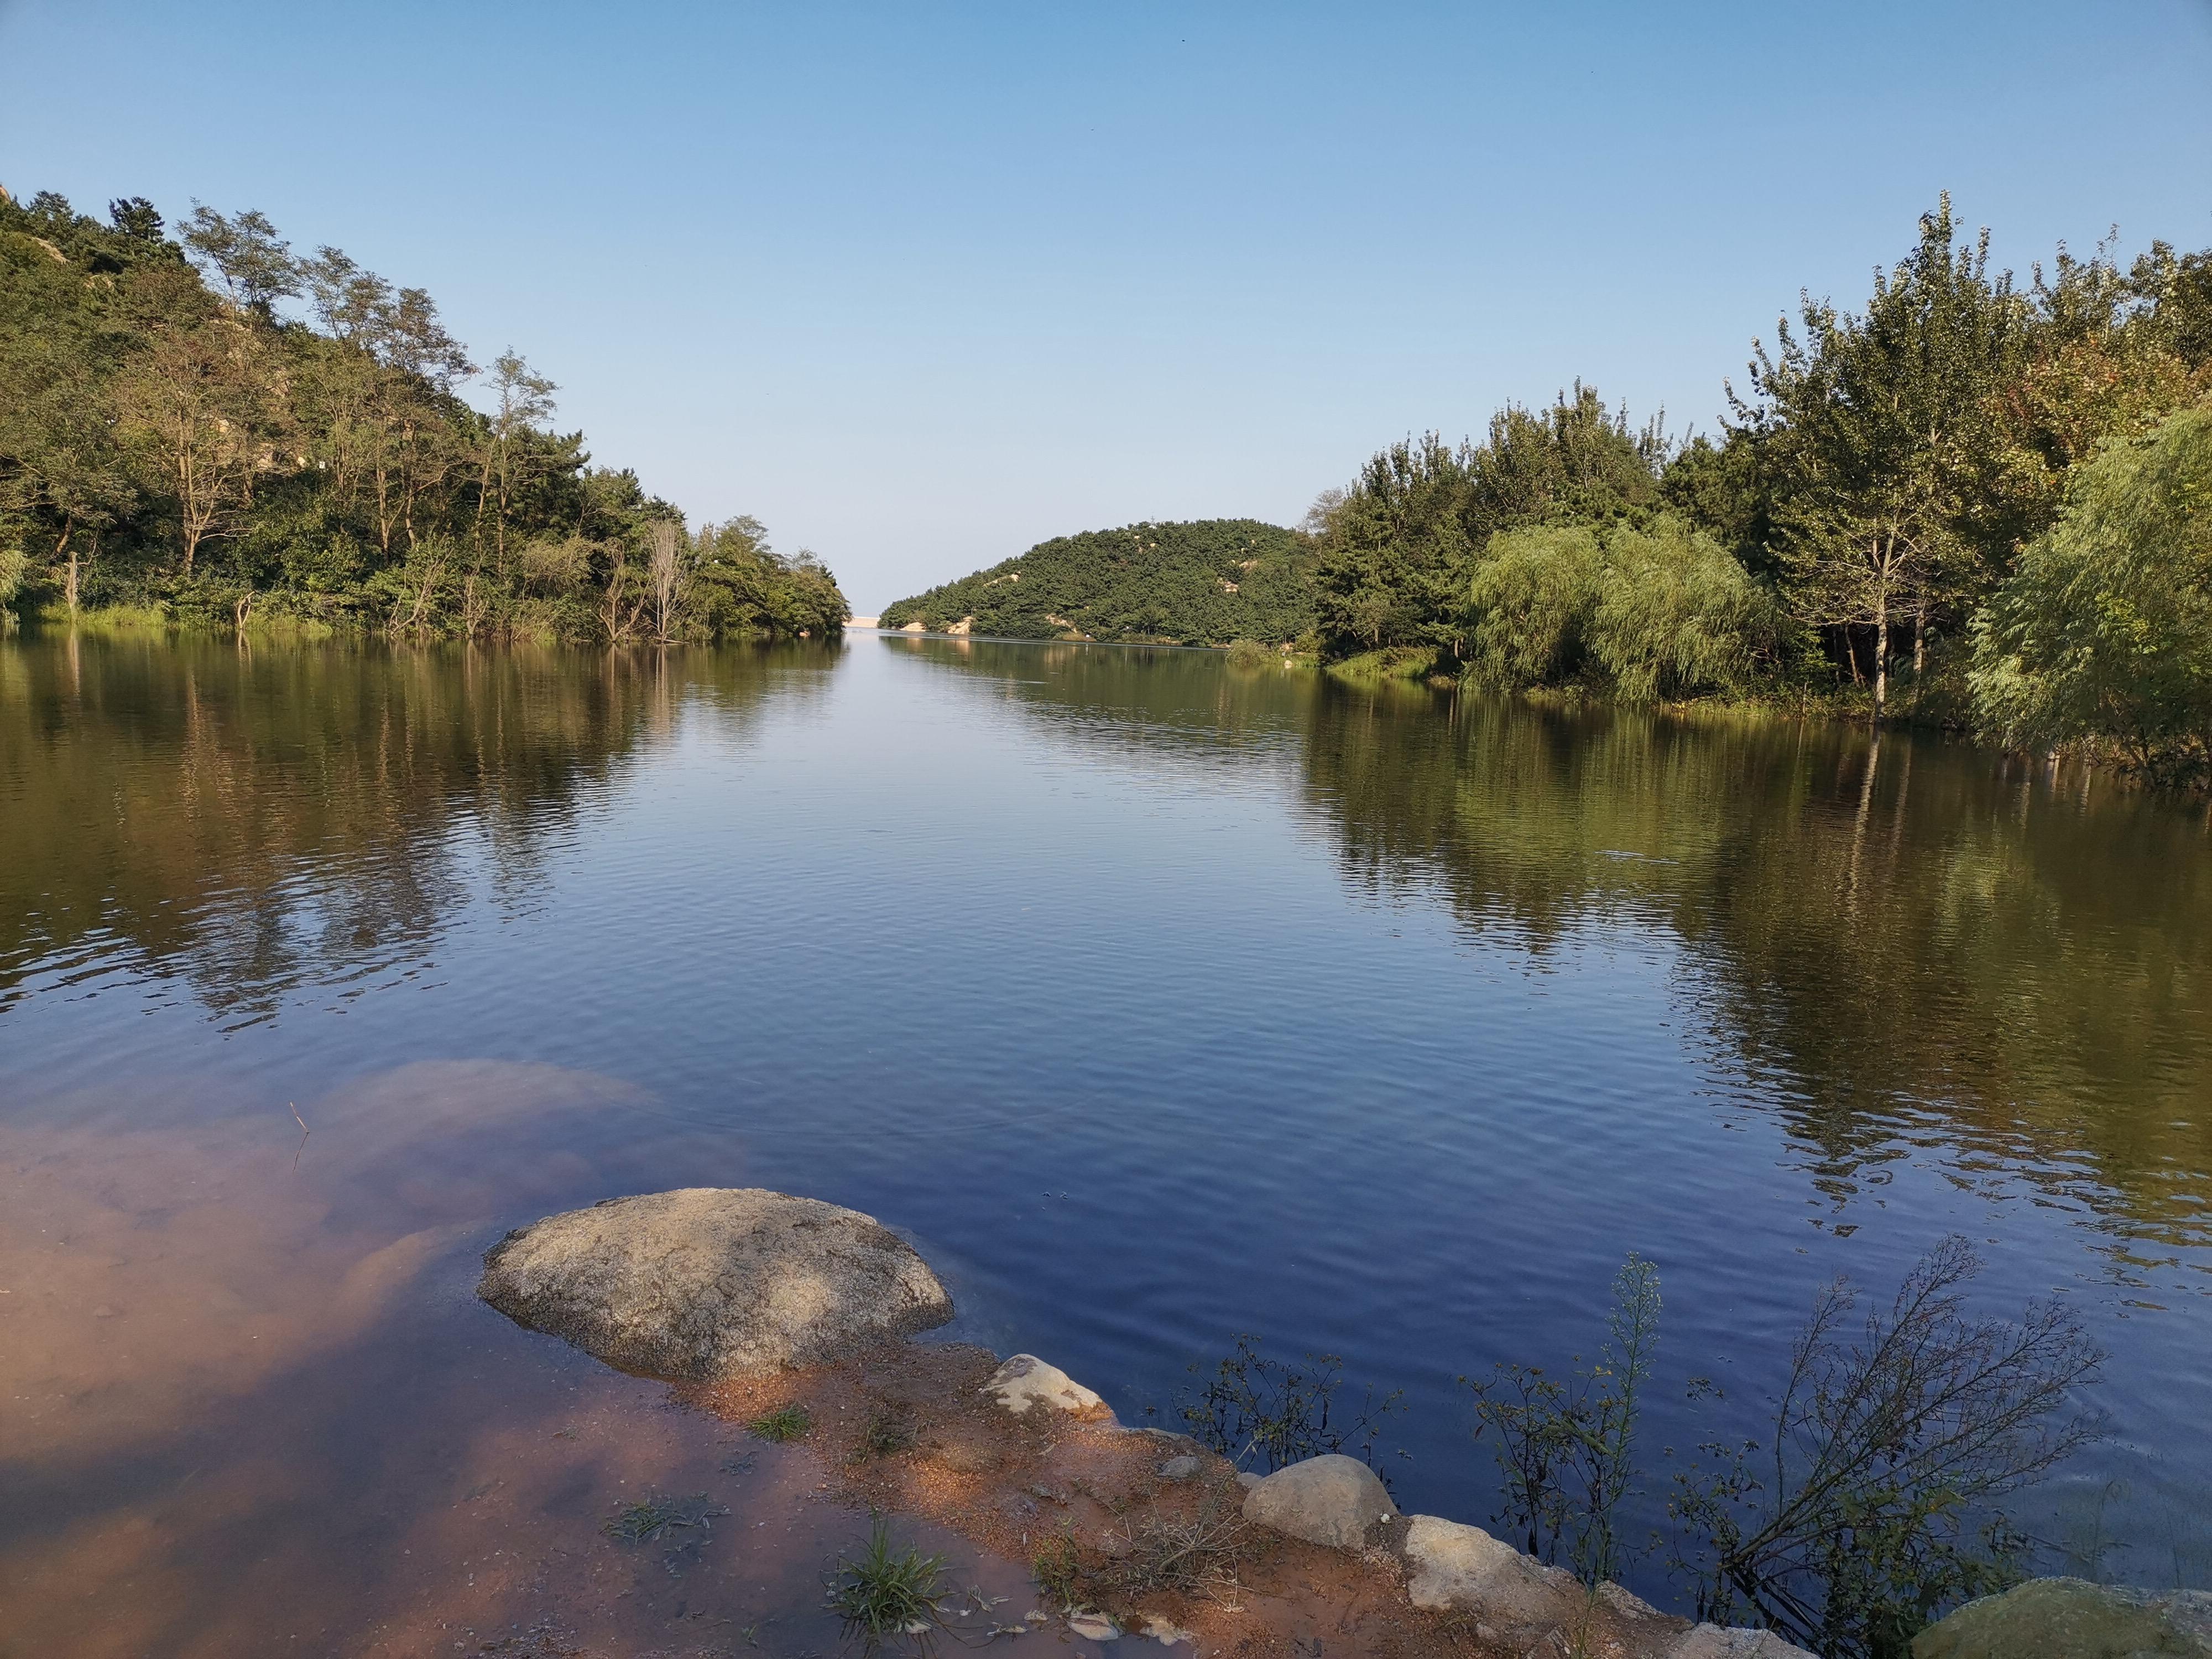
(1025, 1380)
(1093, 1626)
(712, 1282)
(1332, 1499)
(2073, 1619)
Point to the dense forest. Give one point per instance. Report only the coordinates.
(1204, 583)
(209, 428)
(1974, 501)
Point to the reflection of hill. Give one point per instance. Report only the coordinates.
(249, 821)
(1912, 945)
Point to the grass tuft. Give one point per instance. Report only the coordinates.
(784, 1423)
(883, 1595)
(1058, 1570)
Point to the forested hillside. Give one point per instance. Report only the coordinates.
(1203, 583)
(210, 428)
(1983, 502)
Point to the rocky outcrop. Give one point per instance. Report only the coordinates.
(2073, 1619)
(707, 1283)
(1025, 1380)
(1332, 1499)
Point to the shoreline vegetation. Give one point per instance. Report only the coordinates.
(205, 429)
(1975, 503)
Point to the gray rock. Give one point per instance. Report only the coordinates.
(2073, 1619)
(1332, 1499)
(1464, 1568)
(711, 1282)
(1728, 1642)
(1025, 1380)
(1247, 1480)
(1181, 1468)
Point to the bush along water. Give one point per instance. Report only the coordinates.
(1869, 1505)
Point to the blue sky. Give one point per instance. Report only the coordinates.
(921, 285)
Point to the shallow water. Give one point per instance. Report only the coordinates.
(1155, 1001)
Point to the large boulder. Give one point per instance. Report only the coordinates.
(711, 1282)
(1331, 1499)
(2073, 1619)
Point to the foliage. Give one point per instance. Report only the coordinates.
(1254, 1408)
(1397, 548)
(1654, 611)
(1872, 489)
(2102, 635)
(171, 437)
(884, 1594)
(1203, 583)
(1870, 1508)
(785, 1423)
(1567, 1450)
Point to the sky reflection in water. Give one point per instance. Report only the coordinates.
(1157, 1002)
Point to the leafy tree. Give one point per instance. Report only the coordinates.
(2103, 634)
(1398, 547)
(1874, 427)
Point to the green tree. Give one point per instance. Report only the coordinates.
(1876, 429)
(2103, 634)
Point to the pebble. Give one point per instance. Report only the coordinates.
(1180, 1468)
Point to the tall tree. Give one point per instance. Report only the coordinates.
(1876, 429)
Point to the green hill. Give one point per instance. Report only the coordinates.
(1203, 583)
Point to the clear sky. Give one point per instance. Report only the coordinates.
(919, 285)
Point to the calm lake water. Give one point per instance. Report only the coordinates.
(1155, 1001)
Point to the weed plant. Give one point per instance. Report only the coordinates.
(885, 1594)
(784, 1423)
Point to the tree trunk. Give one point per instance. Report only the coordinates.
(1919, 643)
(1880, 653)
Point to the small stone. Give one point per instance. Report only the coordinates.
(1165, 1633)
(103, 1311)
(1093, 1626)
(1038, 1616)
(1332, 1499)
(1180, 1468)
(1024, 1381)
